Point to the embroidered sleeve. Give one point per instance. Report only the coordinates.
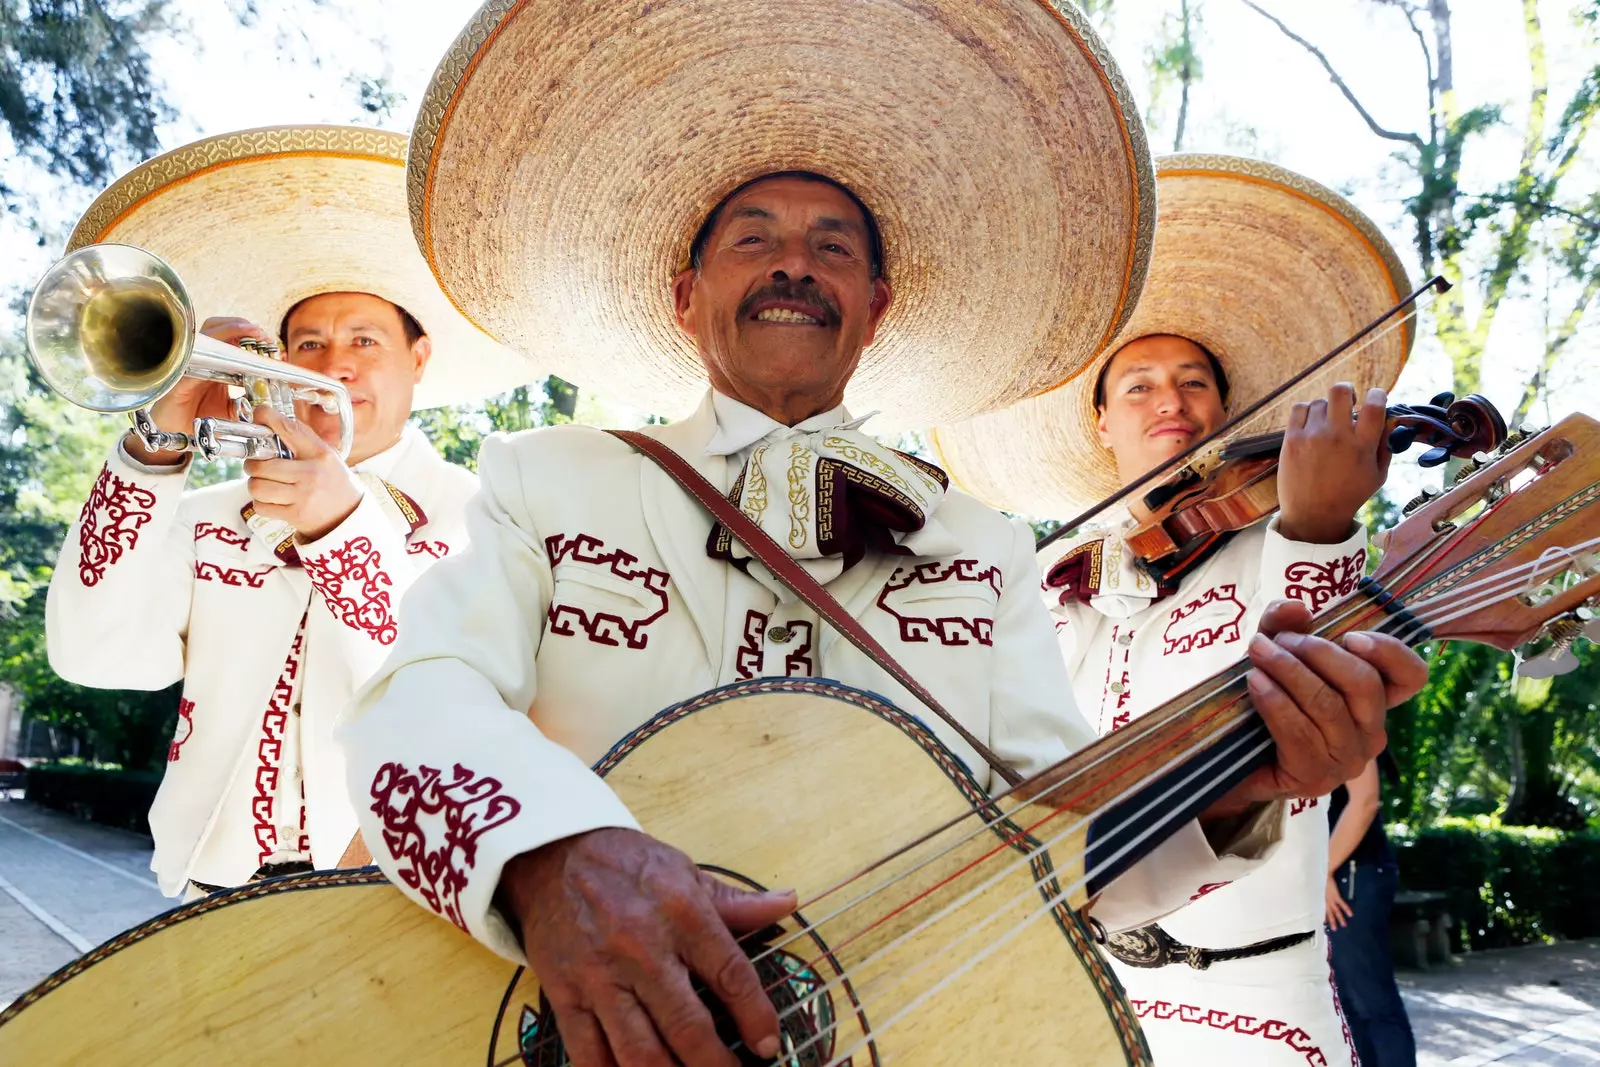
(356, 588)
(1315, 575)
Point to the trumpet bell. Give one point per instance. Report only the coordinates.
(110, 327)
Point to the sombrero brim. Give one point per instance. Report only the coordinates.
(255, 221)
(566, 152)
(1265, 268)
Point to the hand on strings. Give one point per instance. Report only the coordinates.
(193, 398)
(313, 492)
(1324, 703)
(1332, 461)
(616, 926)
(1338, 910)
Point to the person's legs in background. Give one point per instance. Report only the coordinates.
(1363, 969)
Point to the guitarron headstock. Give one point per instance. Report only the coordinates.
(1509, 554)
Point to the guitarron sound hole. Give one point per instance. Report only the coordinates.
(806, 1017)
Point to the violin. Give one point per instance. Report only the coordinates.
(1233, 485)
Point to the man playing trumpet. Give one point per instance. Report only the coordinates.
(274, 596)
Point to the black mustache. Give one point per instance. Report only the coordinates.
(806, 294)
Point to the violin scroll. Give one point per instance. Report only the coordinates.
(1452, 428)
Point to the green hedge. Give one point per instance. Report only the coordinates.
(113, 797)
(1508, 885)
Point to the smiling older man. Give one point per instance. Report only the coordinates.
(596, 592)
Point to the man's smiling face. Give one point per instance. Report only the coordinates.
(1160, 396)
(785, 297)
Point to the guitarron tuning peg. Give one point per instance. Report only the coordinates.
(1558, 658)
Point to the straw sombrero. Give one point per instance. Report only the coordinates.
(255, 221)
(567, 151)
(1265, 268)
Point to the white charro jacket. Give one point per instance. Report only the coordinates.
(1129, 654)
(587, 602)
(157, 584)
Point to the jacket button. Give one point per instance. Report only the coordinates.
(1126, 639)
(1118, 687)
(779, 634)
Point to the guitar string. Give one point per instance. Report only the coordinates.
(1558, 562)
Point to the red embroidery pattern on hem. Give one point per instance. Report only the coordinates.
(1300, 804)
(1207, 889)
(438, 869)
(436, 549)
(210, 572)
(1318, 584)
(950, 630)
(1190, 639)
(356, 567)
(603, 627)
(225, 534)
(109, 524)
(1245, 1025)
(183, 731)
(269, 749)
(797, 664)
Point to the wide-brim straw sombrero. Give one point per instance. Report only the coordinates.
(1266, 268)
(566, 152)
(255, 221)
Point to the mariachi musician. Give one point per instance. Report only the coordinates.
(274, 595)
(744, 204)
(1256, 270)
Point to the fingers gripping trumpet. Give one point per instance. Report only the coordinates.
(112, 328)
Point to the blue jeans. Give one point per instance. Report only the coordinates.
(1363, 968)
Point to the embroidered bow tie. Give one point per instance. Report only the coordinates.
(1098, 569)
(828, 496)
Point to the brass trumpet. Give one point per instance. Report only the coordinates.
(112, 328)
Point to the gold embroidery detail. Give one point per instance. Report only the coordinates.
(799, 499)
(755, 493)
(860, 457)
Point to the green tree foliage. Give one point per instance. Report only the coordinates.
(458, 432)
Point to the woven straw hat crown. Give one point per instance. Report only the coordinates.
(567, 151)
(258, 220)
(1265, 268)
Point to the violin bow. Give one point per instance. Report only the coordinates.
(1436, 284)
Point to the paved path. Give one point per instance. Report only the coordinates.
(1537, 1005)
(66, 886)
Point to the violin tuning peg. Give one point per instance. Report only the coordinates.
(1402, 438)
(1433, 457)
(1429, 492)
(1548, 666)
(1443, 400)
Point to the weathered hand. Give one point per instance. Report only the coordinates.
(1323, 702)
(1338, 911)
(313, 492)
(193, 398)
(1330, 465)
(616, 925)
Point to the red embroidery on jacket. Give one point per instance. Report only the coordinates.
(225, 534)
(1317, 584)
(436, 549)
(269, 749)
(1120, 715)
(750, 658)
(1247, 1025)
(467, 807)
(109, 524)
(1299, 804)
(356, 568)
(950, 630)
(210, 572)
(1192, 637)
(183, 731)
(602, 627)
(1207, 889)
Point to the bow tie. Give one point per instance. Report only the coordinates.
(1097, 568)
(828, 496)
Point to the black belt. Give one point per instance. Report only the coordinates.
(271, 870)
(1151, 946)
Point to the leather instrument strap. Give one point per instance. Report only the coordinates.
(808, 589)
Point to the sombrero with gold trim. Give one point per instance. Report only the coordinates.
(256, 221)
(566, 151)
(1264, 267)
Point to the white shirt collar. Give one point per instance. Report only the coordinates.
(382, 465)
(740, 426)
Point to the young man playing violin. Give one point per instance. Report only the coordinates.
(1253, 275)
